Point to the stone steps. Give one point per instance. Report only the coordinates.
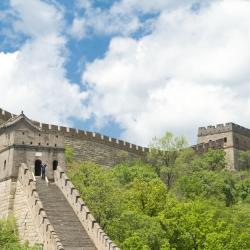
(63, 218)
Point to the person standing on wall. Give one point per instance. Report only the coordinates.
(43, 167)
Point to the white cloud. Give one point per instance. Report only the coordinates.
(123, 17)
(33, 78)
(78, 28)
(192, 70)
(36, 18)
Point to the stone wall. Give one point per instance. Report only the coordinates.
(6, 197)
(88, 146)
(95, 232)
(49, 239)
(27, 229)
(4, 116)
(100, 153)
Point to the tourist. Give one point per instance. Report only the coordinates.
(43, 167)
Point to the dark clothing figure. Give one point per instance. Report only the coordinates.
(43, 168)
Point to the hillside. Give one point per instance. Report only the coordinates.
(173, 200)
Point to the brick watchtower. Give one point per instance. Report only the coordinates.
(236, 138)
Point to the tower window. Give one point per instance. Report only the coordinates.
(225, 139)
(4, 165)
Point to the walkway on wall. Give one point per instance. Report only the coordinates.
(63, 218)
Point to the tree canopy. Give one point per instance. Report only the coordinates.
(202, 206)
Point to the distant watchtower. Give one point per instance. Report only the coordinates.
(236, 138)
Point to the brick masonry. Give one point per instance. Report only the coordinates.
(5, 198)
(103, 154)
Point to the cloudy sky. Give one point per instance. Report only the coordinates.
(131, 69)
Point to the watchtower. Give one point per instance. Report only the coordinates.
(21, 141)
(236, 138)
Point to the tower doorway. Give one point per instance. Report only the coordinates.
(38, 167)
(55, 164)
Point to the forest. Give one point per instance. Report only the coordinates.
(173, 199)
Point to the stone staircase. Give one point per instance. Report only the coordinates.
(63, 218)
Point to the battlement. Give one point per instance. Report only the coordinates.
(82, 134)
(203, 147)
(5, 115)
(93, 136)
(223, 128)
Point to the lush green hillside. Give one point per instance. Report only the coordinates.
(177, 200)
(9, 236)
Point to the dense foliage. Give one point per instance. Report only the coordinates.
(174, 200)
(9, 236)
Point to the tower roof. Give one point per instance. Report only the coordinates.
(17, 119)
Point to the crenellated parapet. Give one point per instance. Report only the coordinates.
(92, 227)
(203, 147)
(82, 134)
(50, 239)
(223, 128)
(95, 137)
(219, 128)
(5, 115)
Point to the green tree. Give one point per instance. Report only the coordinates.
(99, 190)
(69, 154)
(244, 160)
(9, 236)
(163, 154)
(126, 172)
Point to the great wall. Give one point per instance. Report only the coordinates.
(25, 143)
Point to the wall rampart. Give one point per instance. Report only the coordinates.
(223, 128)
(102, 154)
(5, 197)
(203, 147)
(50, 240)
(83, 135)
(5, 115)
(28, 230)
(96, 137)
(95, 232)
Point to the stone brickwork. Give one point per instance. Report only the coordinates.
(101, 153)
(41, 223)
(95, 232)
(88, 146)
(235, 139)
(28, 231)
(6, 197)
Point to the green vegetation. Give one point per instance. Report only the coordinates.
(174, 200)
(9, 236)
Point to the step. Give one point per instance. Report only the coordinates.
(63, 218)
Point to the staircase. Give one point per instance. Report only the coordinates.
(63, 218)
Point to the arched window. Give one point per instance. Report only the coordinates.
(4, 165)
(55, 164)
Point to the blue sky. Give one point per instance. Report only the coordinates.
(131, 69)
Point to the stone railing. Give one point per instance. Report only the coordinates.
(95, 232)
(48, 235)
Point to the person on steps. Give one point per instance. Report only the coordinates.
(43, 167)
